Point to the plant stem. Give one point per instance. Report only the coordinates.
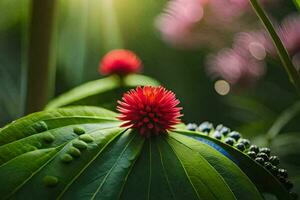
(281, 50)
(285, 117)
(40, 69)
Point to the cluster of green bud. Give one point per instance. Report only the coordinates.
(223, 133)
(271, 163)
(260, 155)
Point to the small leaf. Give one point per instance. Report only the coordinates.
(100, 92)
(297, 3)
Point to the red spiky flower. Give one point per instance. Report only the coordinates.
(151, 110)
(121, 62)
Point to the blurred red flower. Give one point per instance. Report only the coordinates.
(120, 62)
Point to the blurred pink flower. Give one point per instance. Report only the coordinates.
(244, 63)
(289, 32)
(255, 43)
(177, 22)
(230, 9)
(235, 67)
(192, 23)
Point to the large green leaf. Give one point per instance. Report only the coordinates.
(263, 179)
(100, 92)
(83, 153)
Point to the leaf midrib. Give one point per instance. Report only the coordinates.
(188, 177)
(110, 170)
(150, 170)
(209, 164)
(164, 172)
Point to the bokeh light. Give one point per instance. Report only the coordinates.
(222, 87)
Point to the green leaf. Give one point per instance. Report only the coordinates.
(283, 119)
(263, 179)
(43, 121)
(297, 3)
(83, 153)
(21, 170)
(232, 174)
(100, 92)
(205, 180)
(287, 147)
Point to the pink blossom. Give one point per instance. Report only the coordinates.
(235, 67)
(289, 32)
(192, 23)
(255, 43)
(178, 21)
(244, 63)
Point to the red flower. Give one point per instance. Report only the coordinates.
(151, 110)
(121, 62)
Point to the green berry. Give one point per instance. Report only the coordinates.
(245, 142)
(254, 148)
(260, 160)
(205, 127)
(265, 150)
(263, 155)
(274, 160)
(268, 165)
(274, 170)
(219, 127)
(217, 135)
(283, 173)
(224, 130)
(235, 135)
(229, 141)
(251, 154)
(191, 126)
(240, 146)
